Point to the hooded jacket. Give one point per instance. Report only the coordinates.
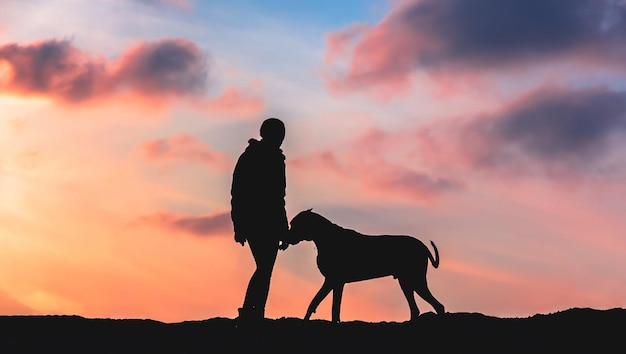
(258, 192)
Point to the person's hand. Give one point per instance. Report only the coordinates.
(283, 245)
(240, 238)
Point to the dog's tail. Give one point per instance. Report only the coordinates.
(435, 260)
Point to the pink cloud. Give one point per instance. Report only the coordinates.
(557, 134)
(340, 43)
(373, 58)
(376, 163)
(183, 147)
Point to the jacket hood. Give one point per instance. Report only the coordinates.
(256, 144)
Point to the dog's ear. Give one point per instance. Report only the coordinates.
(309, 210)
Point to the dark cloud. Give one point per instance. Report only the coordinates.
(208, 225)
(554, 128)
(495, 32)
(468, 35)
(166, 66)
(57, 69)
(52, 67)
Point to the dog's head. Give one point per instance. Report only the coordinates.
(306, 226)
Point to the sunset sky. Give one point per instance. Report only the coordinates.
(495, 128)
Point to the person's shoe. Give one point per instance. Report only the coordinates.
(248, 318)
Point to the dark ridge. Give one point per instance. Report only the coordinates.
(571, 331)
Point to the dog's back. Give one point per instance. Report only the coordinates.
(354, 256)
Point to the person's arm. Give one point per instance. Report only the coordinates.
(239, 189)
(285, 239)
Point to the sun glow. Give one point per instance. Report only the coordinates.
(10, 187)
(45, 302)
(12, 101)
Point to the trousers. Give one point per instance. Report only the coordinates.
(264, 251)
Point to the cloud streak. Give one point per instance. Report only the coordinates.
(180, 4)
(205, 225)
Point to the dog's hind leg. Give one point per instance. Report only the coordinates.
(407, 289)
(423, 291)
(321, 294)
(337, 294)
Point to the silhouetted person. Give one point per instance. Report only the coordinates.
(258, 211)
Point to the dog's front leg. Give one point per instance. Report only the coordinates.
(337, 293)
(321, 294)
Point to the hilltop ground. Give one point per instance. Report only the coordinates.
(571, 331)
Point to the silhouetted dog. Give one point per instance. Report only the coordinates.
(346, 256)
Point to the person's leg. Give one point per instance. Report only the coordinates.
(264, 253)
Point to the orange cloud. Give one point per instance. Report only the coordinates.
(9, 305)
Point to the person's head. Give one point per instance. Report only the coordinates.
(273, 131)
